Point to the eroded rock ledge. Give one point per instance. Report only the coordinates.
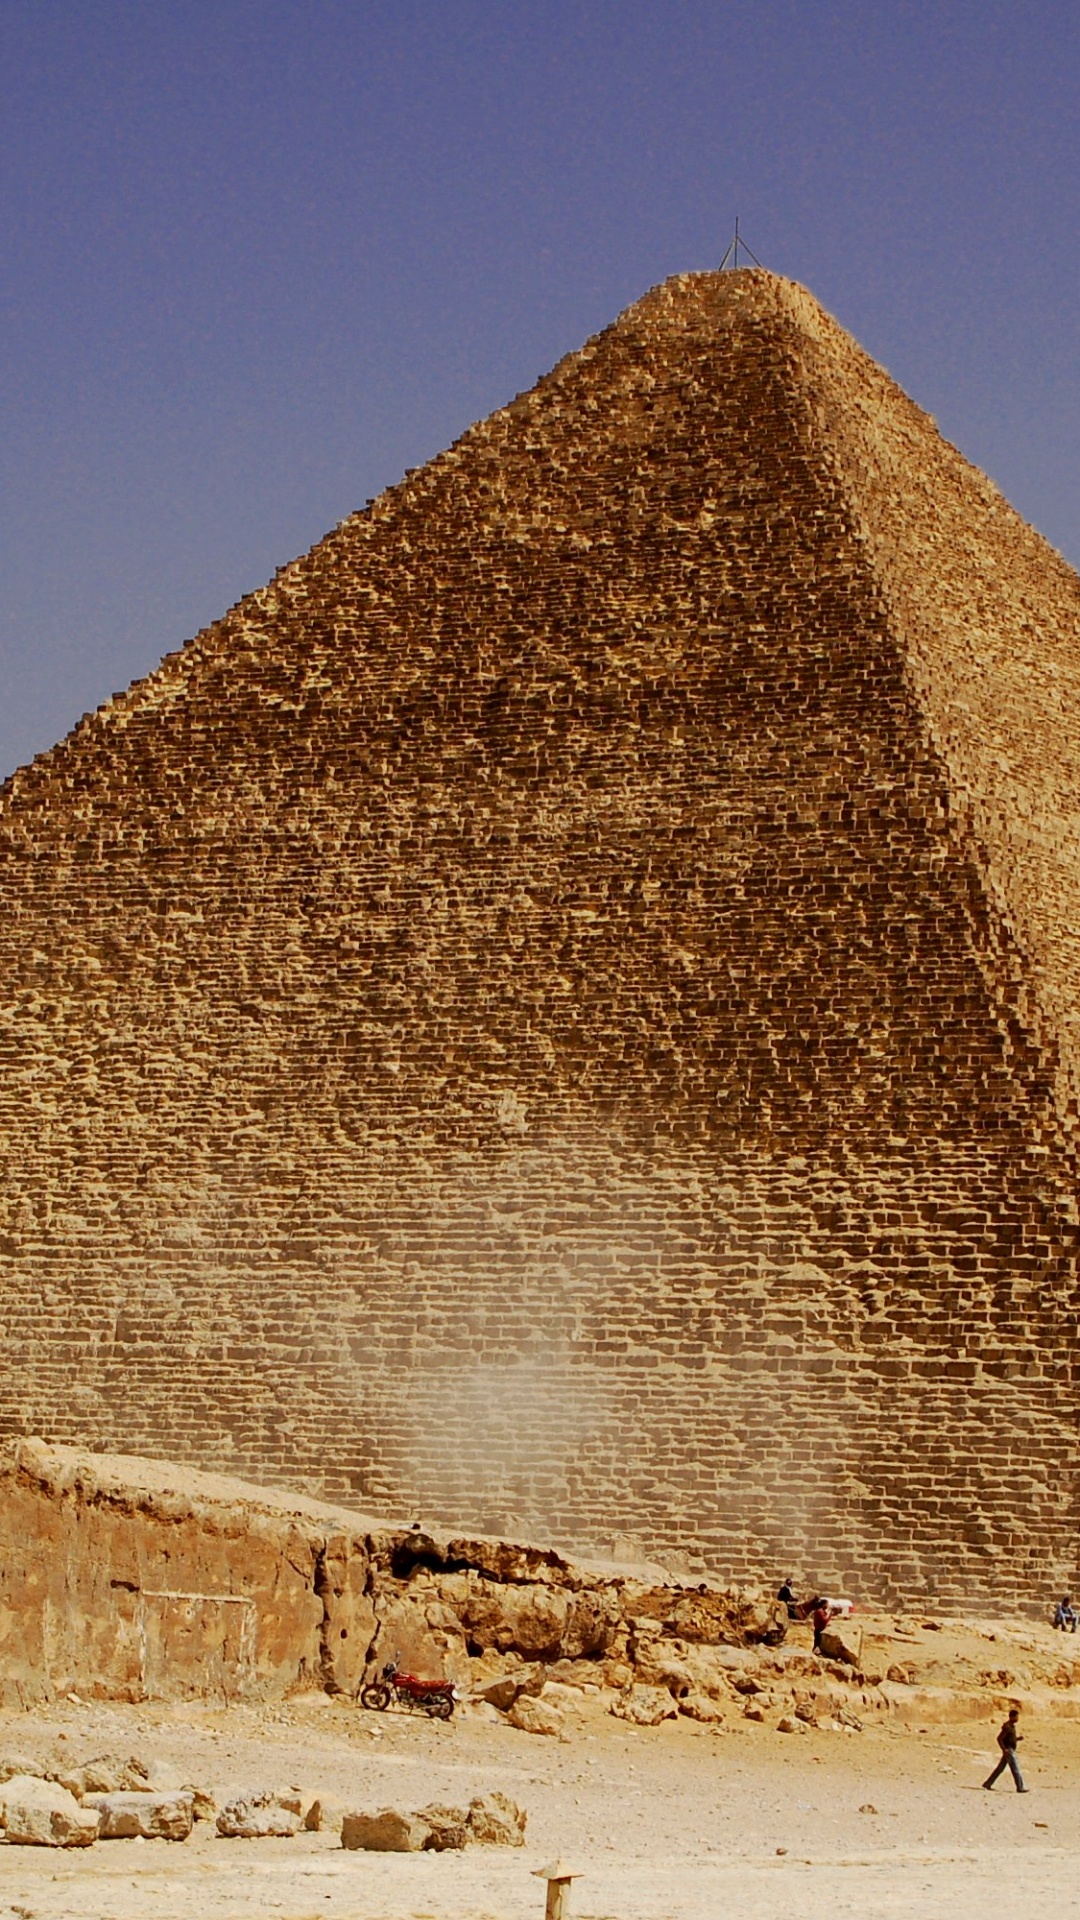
(124, 1578)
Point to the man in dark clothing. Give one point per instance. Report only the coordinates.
(1007, 1740)
(787, 1595)
(1065, 1615)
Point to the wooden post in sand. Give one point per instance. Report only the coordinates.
(558, 1877)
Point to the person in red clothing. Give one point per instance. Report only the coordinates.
(821, 1616)
(1007, 1740)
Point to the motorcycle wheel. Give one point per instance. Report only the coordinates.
(376, 1697)
(441, 1707)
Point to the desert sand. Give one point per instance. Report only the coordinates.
(676, 1822)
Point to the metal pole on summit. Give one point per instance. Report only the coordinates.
(732, 253)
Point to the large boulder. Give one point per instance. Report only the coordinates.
(109, 1773)
(659, 1663)
(699, 1706)
(708, 1615)
(534, 1619)
(259, 1814)
(147, 1816)
(41, 1813)
(508, 1687)
(839, 1642)
(497, 1821)
(535, 1716)
(448, 1829)
(387, 1831)
(645, 1706)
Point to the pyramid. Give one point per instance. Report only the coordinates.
(560, 1012)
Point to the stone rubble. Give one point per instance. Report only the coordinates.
(260, 1813)
(151, 1816)
(491, 1819)
(40, 1813)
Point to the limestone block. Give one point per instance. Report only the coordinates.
(154, 1816)
(535, 1716)
(448, 1828)
(699, 1706)
(530, 1619)
(657, 1664)
(840, 1643)
(497, 1821)
(387, 1831)
(259, 1813)
(40, 1813)
(108, 1773)
(645, 1706)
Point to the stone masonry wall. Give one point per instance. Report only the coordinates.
(521, 1021)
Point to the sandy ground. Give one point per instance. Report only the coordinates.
(677, 1822)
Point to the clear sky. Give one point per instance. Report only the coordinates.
(259, 256)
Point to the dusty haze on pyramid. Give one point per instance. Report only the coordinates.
(559, 1013)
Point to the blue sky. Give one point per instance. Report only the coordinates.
(258, 256)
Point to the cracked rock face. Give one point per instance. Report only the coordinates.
(165, 1583)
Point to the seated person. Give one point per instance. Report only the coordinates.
(1066, 1616)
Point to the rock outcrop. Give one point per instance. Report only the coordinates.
(128, 1579)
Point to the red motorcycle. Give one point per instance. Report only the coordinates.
(434, 1697)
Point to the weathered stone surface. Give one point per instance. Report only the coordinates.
(500, 1693)
(701, 1706)
(535, 1716)
(448, 1828)
(98, 1537)
(841, 1642)
(703, 1615)
(154, 1816)
(40, 1813)
(645, 1706)
(497, 1821)
(325, 1814)
(637, 853)
(508, 1687)
(387, 1831)
(156, 1580)
(259, 1814)
(536, 1620)
(108, 1773)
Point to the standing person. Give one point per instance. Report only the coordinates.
(821, 1616)
(1007, 1740)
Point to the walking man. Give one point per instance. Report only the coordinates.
(1007, 1740)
